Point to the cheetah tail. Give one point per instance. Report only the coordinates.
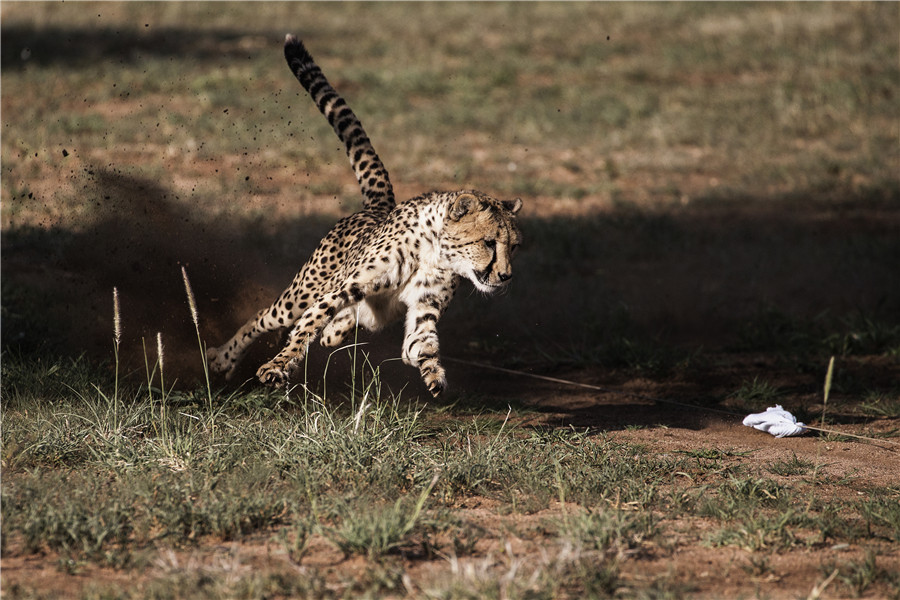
(367, 166)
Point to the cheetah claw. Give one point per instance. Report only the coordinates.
(436, 382)
(436, 388)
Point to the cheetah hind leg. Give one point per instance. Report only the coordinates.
(226, 357)
(277, 372)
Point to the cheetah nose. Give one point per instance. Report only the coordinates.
(504, 276)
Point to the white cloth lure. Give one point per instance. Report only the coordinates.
(776, 421)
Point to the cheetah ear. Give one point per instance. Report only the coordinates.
(464, 203)
(512, 206)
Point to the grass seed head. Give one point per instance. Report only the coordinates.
(117, 317)
(159, 349)
(190, 294)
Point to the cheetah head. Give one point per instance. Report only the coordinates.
(481, 236)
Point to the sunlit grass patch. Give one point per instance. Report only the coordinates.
(72, 514)
(377, 530)
(791, 466)
(380, 478)
(857, 576)
(882, 514)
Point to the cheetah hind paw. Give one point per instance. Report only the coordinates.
(274, 374)
(218, 364)
(212, 359)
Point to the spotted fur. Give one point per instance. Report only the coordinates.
(382, 262)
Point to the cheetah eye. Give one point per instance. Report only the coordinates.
(490, 244)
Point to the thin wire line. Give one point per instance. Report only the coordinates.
(648, 398)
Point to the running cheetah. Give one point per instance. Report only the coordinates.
(383, 261)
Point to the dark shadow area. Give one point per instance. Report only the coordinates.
(58, 283)
(621, 296)
(692, 398)
(82, 48)
(609, 299)
(697, 274)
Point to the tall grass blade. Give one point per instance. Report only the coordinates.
(117, 339)
(195, 317)
(828, 377)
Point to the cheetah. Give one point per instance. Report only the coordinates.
(381, 262)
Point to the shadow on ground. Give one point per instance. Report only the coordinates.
(24, 45)
(678, 279)
(630, 289)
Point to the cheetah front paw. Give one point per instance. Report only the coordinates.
(274, 374)
(435, 379)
